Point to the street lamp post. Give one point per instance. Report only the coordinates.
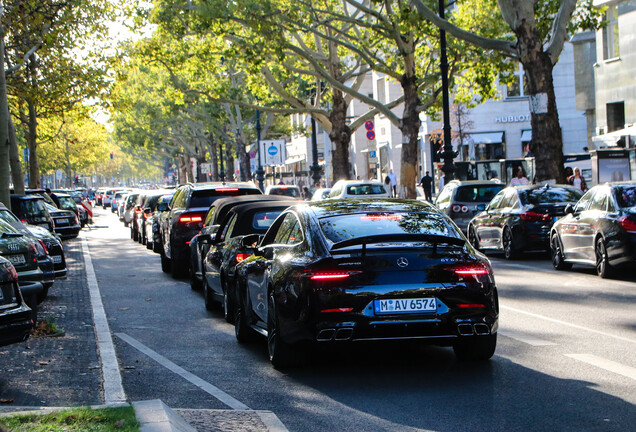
(260, 172)
(315, 168)
(448, 154)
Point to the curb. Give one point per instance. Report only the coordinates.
(155, 416)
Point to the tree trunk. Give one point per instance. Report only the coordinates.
(547, 141)
(410, 130)
(340, 136)
(32, 143)
(4, 129)
(243, 157)
(214, 159)
(229, 167)
(69, 169)
(14, 160)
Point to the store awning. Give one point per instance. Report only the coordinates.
(295, 158)
(526, 136)
(486, 138)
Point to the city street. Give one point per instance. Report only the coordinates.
(564, 359)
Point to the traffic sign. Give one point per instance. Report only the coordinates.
(370, 135)
(368, 125)
(372, 154)
(272, 150)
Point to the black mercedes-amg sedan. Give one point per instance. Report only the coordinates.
(600, 230)
(332, 272)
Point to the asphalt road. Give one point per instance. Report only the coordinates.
(564, 362)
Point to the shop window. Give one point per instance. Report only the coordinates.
(615, 116)
(610, 34)
(518, 87)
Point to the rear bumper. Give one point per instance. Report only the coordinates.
(68, 231)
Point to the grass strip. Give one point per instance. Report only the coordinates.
(121, 419)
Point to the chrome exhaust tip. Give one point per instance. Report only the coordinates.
(344, 334)
(325, 335)
(482, 329)
(465, 329)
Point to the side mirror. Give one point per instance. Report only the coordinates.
(204, 238)
(481, 207)
(265, 252)
(251, 241)
(569, 209)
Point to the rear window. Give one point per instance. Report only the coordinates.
(477, 193)
(625, 196)
(8, 217)
(366, 189)
(550, 195)
(205, 197)
(33, 207)
(262, 220)
(285, 191)
(67, 203)
(345, 227)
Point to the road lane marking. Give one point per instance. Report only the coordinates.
(608, 365)
(525, 338)
(203, 385)
(576, 326)
(113, 387)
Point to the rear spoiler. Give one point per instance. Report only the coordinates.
(430, 238)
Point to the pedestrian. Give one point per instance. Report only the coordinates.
(391, 175)
(520, 179)
(387, 183)
(306, 193)
(427, 184)
(568, 172)
(577, 180)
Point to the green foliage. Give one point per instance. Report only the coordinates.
(75, 420)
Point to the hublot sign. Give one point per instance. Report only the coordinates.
(513, 118)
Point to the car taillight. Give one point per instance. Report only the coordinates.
(32, 247)
(186, 219)
(459, 209)
(242, 256)
(330, 275)
(531, 216)
(226, 190)
(336, 310)
(475, 270)
(471, 305)
(24, 221)
(627, 224)
(46, 250)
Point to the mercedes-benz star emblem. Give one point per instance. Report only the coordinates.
(402, 262)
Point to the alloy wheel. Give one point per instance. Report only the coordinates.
(602, 265)
(507, 244)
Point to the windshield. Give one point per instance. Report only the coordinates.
(477, 193)
(33, 207)
(366, 189)
(345, 227)
(625, 196)
(67, 203)
(551, 195)
(205, 197)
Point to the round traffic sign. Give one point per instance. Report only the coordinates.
(272, 150)
(368, 125)
(370, 135)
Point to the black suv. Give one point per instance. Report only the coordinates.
(188, 208)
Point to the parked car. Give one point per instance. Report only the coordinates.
(107, 197)
(366, 270)
(599, 230)
(215, 215)
(84, 217)
(65, 202)
(49, 240)
(320, 194)
(519, 218)
(66, 223)
(15, 316)
(285, 190)
(32, 209)
(116, 201)
(358, 189)
(462, 200)
(147, 209)
(228, 248)
(129, 208)
(153, 233)
(188, 207)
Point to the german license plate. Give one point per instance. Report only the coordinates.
(401, 306)
(57, 259)
(16, 259)
(61, 221)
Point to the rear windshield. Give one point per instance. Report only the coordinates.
(205, 197)
(550, 195)
(625, 196)
(477, 193)
(289, 191)
(366, 189)
(67, 203)
(262, 220)
(8, 217)
(345, 227)
(33, 207)
(152, 202)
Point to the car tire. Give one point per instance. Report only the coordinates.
(157, 247)
(281, 354)
(195, 283)
(178, 267)
(208, 298)
(476, 348)
(242, 330)
(558, 260)
(134, 235)
(42, 295)
(507, 242)
(228, 306)
(126, 224)
(148, 245)
(603, 267)
(472, 237)
(165, 263)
